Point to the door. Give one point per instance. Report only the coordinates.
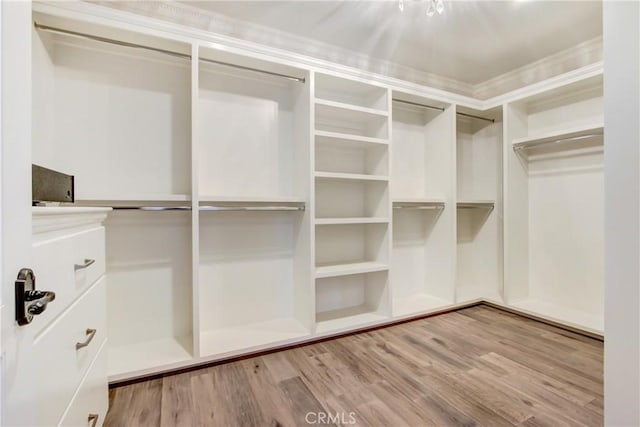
(19, 387)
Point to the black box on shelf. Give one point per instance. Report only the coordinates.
(48, 185)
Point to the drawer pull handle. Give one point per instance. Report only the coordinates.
(93, 419)
(90, 334)
(87, 263)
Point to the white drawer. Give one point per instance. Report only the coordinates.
(56, 357)
(54, 264)
(92, 398)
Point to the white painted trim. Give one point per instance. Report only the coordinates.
(578, 56)
(583, 73)
(47, 219)
(219, 26)
(154, 27)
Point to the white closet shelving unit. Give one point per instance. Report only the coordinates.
(555, 203)
(252, 156)
(479, 205)
(264, 202)
(352, 205)
(119, 120)
(423, 190)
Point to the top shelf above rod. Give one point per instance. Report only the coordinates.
(50, 29)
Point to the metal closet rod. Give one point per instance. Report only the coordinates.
(151, 208)
(432, 107)
(556, 141)
(163, 51)
(250, 208)
(210, 208)
(432, 207)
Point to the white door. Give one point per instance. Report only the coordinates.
(18, 385)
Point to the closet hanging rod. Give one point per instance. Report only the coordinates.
(108, 40)
(476, 117)
(255, 70)
(432, 107)
(251, 208)
(151, 208)
(555, 141)
(163, 51)
(415, 104)
(437, 207)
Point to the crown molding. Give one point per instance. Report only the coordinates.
(187, 23)
(581, 55)
(193, 17)
(564, 79)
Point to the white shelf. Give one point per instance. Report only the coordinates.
(350, 176)
(336, 270)
(252, 199)
(341, 221)
(480, 204)
(418, 303)
(346, 111)
(427, 204)
(349, 139)
(148, 355)
(574, 134)
(467, 293)
(427, 201)
(562, 314)
(227, 340)
(347, 318)
(130, 200)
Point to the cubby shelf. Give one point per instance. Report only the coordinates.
(574, 136)
(148, 355)
(336, 270)
(348, 139)
(346, 318)
(350, 176)
(361, 220)
(417, 303)
(255, 335)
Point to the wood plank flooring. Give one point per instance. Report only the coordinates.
(477, 366)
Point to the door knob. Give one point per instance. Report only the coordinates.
(29, 301)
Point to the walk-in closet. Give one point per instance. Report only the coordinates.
(317, 213)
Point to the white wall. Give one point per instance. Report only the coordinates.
(622, 212)
(15, 198)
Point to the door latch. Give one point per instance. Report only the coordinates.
(29, 301)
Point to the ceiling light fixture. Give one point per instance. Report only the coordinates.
(433, 6)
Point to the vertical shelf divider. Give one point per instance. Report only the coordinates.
(389, 199)
(195, 199)
(311, 202)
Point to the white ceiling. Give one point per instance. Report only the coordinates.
(471, 42)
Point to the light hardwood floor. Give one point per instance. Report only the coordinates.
(477, 366)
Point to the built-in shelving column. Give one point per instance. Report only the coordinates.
(195, 198)
(423, 192)
(555, 204)
(125, 136)
(479, 207)
(253, 162)
(352, 204)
